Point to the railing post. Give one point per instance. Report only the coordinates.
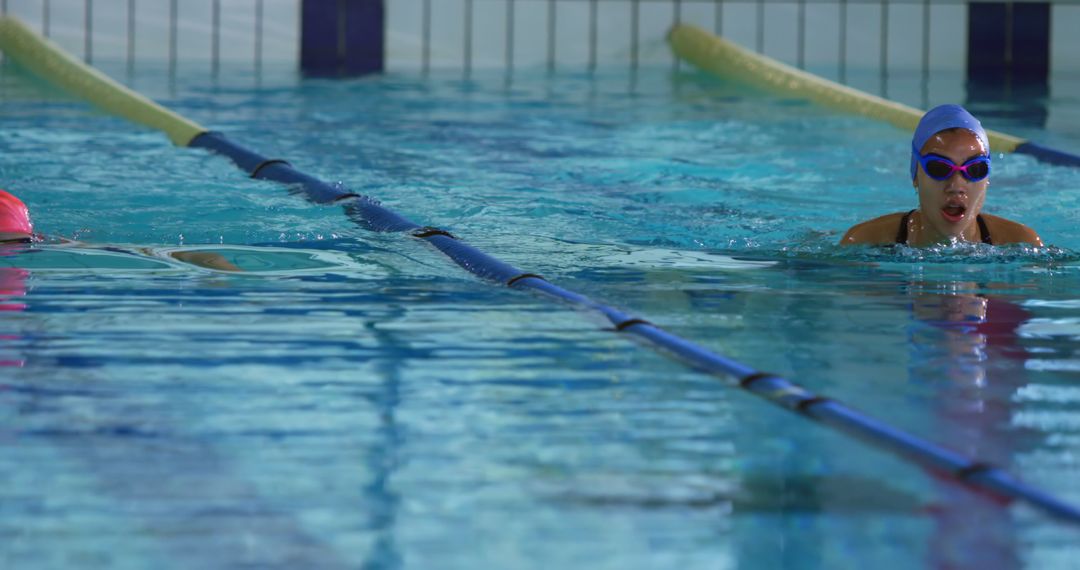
(1009, 42)
(1009, 57)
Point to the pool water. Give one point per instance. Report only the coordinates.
(353, 399)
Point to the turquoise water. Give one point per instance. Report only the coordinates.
(354, 400)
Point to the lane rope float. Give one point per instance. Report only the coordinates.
(729, 60)
(45, 58)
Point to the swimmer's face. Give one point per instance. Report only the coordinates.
(949, 207)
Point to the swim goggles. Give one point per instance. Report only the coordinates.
(940, 168)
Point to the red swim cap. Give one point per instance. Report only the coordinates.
(14, 217)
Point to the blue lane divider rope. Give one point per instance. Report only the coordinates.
(1048, 155)
(782, 392)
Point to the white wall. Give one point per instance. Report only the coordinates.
(573, 23)
(738, 20)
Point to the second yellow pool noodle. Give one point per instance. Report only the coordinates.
(46, 59)
(728, 60)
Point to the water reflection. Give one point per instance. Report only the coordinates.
(116, 433)
(12, 291)
(106, 452)
(958, 356)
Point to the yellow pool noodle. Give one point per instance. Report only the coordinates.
(47, 60)
(730, 61)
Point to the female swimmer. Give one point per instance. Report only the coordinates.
(950, 169)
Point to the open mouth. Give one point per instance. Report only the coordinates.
(954, 212)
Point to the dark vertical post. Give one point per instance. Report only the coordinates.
(719, 17)
(341, 33)
(89, 38)
(425, 59)
(926, 37)
(131, 37)
(258, 36)
(509, 37)
(593, 25)
(1009, 51)
(1008, 34)
(761, 26)
(926, 55)
(215, 38)
(319, 37)
(342, 37)
(676, 19)
(173, 16)
(988, 26)
(365, 25)
(1009, 41)
(1031, 42)
(45, 17)
(635, 31)
(468, 36)
(1030, 59)
(801, 41)
(884, 49)
(843, 41)
(551, 36)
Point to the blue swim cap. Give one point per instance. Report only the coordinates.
(939, 119)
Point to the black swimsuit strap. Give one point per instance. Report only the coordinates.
(901, 234)
(983, 230)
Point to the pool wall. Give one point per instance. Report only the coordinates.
(830, 36)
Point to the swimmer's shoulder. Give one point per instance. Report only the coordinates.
(1004, 231)
(878, 231)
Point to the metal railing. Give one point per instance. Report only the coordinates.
(127, 26)
(470, 34)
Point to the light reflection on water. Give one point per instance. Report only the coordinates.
(352, 398)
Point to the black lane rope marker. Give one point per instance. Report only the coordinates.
(975, 469)
(804, 406)
(49, 61)
(428, 231)
(749, 379)
(265, 163)
(345, 196)
(631, 322)
(514, 281)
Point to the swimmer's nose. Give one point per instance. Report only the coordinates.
(956, 184)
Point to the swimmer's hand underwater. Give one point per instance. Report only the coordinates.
(15, 227)
(207, 259)
(950, 169)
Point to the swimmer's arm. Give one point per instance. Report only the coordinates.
(878, 231)
(207, 259)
